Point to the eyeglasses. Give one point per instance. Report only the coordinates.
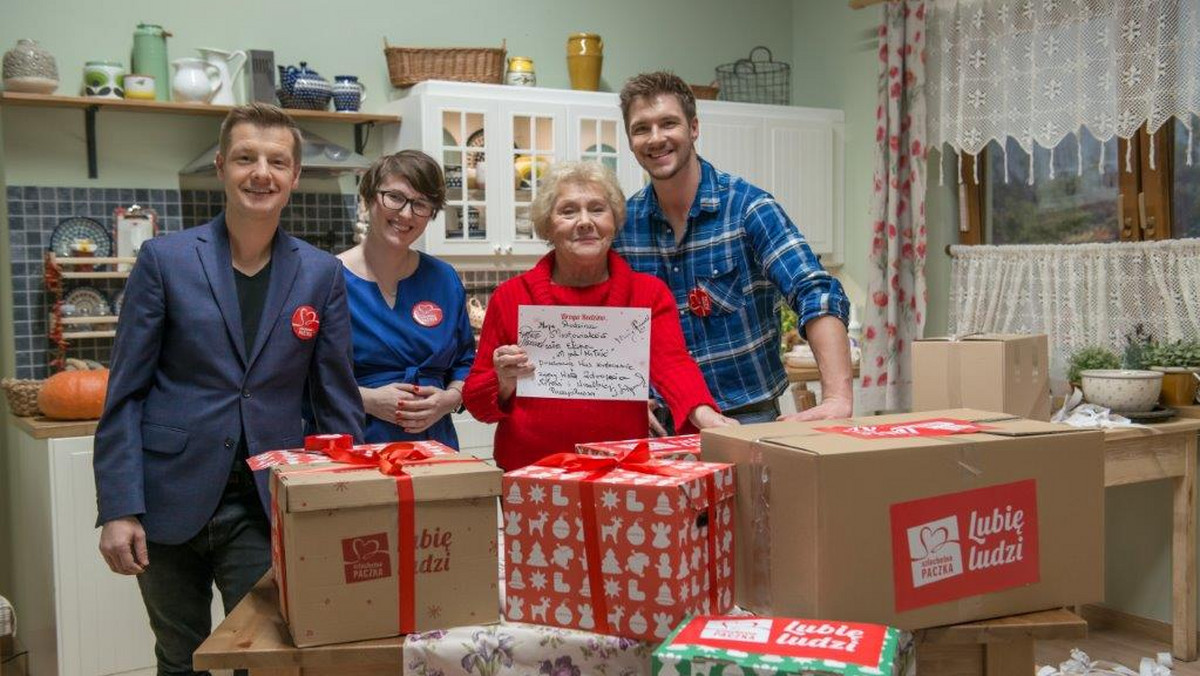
(396, 200)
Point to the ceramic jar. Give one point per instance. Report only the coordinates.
(139, 87)
(195, 80)
(102, 79)
(520, 72)
(150, 58)
(348, 93)
(29, 68)
(585, 56)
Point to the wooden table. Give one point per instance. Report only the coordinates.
(255, 637)
(1166, 451)
(999, 647)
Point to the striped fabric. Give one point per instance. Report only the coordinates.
(744, 252)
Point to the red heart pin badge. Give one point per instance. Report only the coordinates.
(305, 322)
(699, 302)
(427, 314)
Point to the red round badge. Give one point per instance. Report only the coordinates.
(699, 302)
(427, 314)
(305, 322)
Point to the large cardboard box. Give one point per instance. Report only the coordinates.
(915, 520)
(988, 372)
(623, 553)
(344, 571)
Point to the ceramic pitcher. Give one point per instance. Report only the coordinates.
(195, 81)
(229, 65)
(585, 55)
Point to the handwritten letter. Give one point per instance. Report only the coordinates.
(585, 352)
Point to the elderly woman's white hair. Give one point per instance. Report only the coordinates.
(575, 173)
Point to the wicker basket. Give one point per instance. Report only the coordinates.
(22, 396)
(705, 92)
(409, 65)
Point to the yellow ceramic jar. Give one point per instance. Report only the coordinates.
(585, 56)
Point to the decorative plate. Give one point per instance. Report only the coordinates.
(80, 230)
(85, 301)
(475, 140)
(448, 138)
(602, 148)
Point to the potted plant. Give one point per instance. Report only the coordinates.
(1179, 363)
(1090, 358)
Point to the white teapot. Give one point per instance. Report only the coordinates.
(195, 81)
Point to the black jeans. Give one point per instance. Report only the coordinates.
(233, 550)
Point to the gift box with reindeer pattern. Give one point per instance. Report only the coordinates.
(626, 550)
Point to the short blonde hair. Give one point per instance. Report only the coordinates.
(581, 174)
(264, 116)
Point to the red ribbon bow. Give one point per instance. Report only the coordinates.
(637, 459)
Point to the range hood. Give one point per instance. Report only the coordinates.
(318, 156)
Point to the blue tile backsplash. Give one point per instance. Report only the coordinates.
(324, 220)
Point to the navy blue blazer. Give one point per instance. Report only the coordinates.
(184, 388)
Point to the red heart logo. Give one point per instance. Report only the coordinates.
(305, 322)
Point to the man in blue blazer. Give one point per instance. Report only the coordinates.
(224, 329)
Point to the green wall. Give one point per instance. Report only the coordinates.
(46, 147)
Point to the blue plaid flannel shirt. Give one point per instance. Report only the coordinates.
(743, 250)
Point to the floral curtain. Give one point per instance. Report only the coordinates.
(1038, 70)
(896, 290)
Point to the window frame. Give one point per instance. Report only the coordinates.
(1144, 202)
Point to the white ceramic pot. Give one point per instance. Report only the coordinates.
(1122, 390)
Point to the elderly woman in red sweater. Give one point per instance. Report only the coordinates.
(578, 212)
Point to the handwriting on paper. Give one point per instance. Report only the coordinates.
(585, 352)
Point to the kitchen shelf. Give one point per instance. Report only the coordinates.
(95, 275)
(89, 334)
(91, 105)
(87, 260)
(99, 319)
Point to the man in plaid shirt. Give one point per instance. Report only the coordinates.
(727, 250)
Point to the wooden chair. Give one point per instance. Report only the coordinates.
(997, 647)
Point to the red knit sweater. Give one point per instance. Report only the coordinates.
(531, 428)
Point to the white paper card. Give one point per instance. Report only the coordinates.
(585, 352)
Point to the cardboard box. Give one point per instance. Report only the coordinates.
(626, 553)
(777, 645)
(338, 556)
(988, 372)
(915, 520)
(681, 447)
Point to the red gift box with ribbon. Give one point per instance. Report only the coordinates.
(387, 540)
(681, 447)
(626, 546)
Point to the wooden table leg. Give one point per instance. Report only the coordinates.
(1010, 658)
(1183, 559)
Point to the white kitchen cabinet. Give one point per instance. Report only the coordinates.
(493, 140)
(74, 615)
(793, 153)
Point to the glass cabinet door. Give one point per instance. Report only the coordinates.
(598, 142)
(464, 162)
(534, 150)
(598, 135)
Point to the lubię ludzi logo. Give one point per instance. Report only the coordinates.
(964, 544)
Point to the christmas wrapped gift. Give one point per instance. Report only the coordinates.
(624, 546)
(682, 447)
(777, 645)
(384, 541)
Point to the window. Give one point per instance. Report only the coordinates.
(1077, 204)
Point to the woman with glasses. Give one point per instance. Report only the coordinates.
(578, 210)
(413, 344)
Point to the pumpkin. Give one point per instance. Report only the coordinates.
(74, 395)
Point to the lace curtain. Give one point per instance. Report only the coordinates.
(1038, 70)
(1078, 294)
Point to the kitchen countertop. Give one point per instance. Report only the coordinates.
(45, 428)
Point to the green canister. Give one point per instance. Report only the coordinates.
(150, 58)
